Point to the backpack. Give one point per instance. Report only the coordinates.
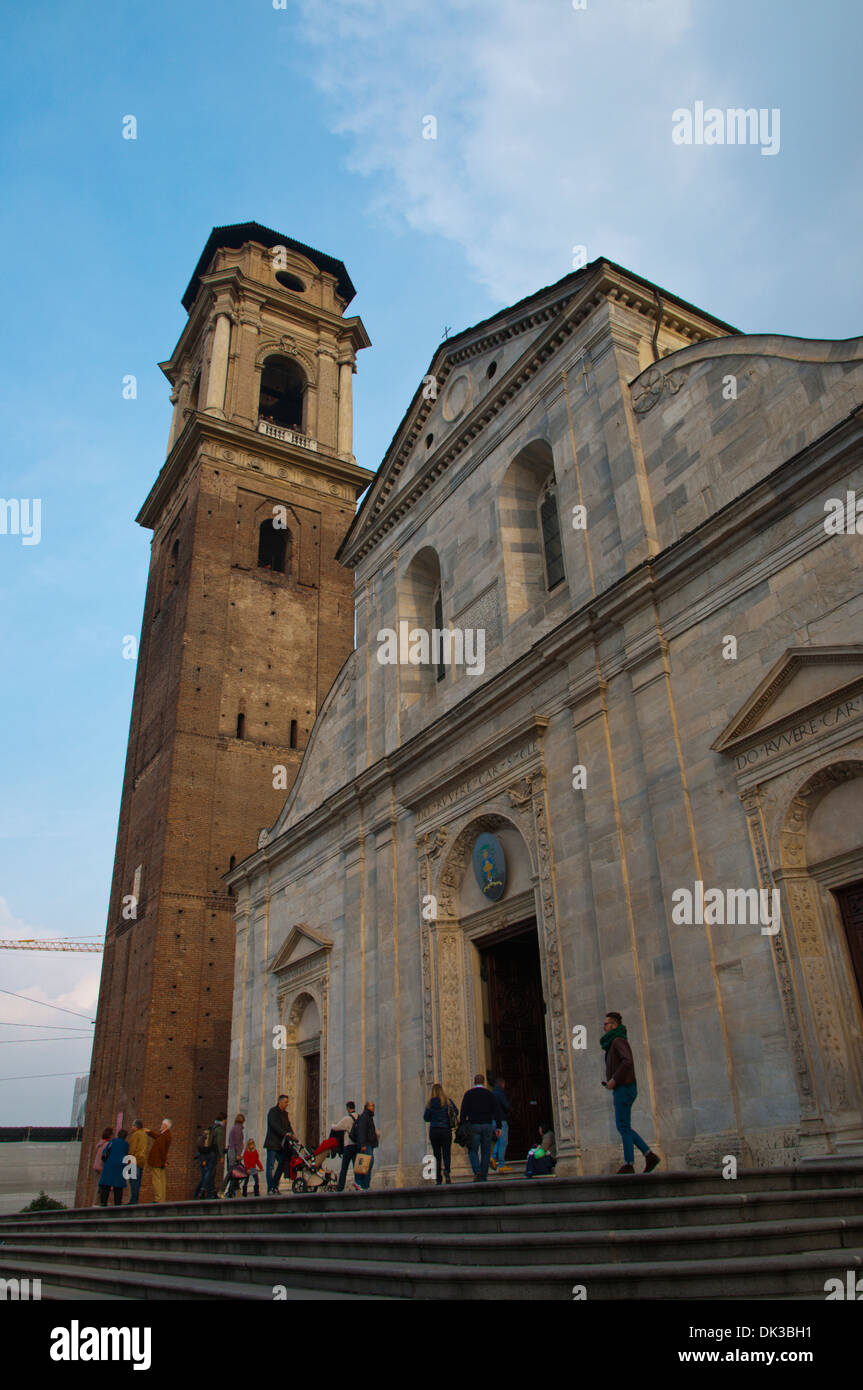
(205, 1142)
(452, 1112)
(353, 1132)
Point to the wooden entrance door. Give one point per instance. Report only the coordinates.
(850, 901)
(517, 1025)
(312, 1063)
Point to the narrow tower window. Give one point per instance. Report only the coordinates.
(241, 726)
(273, 548)
(293, 733)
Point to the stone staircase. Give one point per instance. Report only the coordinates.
(768, 1234)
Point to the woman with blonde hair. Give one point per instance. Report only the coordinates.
(440, 1115)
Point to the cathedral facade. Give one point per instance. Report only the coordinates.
(599, 746)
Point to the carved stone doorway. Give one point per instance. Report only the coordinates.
(515, 1032)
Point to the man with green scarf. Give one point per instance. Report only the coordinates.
(620, 1080)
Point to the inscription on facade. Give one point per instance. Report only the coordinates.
(488, 774)
(827, 719)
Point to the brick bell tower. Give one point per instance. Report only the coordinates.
(248, 618)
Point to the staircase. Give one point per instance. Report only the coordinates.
(769, 1234)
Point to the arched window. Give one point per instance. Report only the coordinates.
(282, 387)
(274, 547)
(549, 527)
(531, 540)
(420, 606)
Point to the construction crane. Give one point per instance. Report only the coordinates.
(61, 944)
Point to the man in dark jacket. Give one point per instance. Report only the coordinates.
(278, 1129)
(620, 1080)
(481, 1109)
(367, 1142)
(498, 1153)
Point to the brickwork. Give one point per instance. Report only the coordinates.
(221, 638)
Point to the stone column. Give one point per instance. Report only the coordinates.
(327, 398)
(218, 373)
(346, 409)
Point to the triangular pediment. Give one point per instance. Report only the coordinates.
(803, 681)
(300, 943)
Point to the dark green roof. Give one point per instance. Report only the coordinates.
(238, 233)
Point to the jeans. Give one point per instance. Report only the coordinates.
(363, 1179)
(498, 1153)
(135, 1185)
(205, 1186)
(105, 1191)
(480, 1150)
(623, 1099)
(254, 1176)
(441, 1142)
(349, 1153)
(273, 1157)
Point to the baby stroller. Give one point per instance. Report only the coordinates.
(306, 1170)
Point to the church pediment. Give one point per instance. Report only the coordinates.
(299, 946)
(806, 685)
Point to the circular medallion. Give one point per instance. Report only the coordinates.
(457, 396)
(489, 866)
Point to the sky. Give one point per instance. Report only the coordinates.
(456, 156)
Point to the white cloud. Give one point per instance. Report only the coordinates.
(553, 124)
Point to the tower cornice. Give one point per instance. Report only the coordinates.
(204, 429)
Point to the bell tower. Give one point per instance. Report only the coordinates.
(247, 619)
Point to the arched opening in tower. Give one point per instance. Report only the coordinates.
(281, 399)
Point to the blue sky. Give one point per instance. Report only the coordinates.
(553, 130)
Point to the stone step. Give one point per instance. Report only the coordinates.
(64, 1281)
(847, 1174)
(721, 1241)
(772, 1276)
(440, 1216)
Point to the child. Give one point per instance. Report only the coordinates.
(252, 1163)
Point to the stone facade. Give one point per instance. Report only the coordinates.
(233, 664)
(701, 663)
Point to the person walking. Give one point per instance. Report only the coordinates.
(138, 1152)
(480, 1109)
(253, 1166)
(157, 1159)
(111, 1178)
(211, 1152)
(236, 1145)
(99, 1150)
(620, 1080)
(498, 1153)
(439, 1115)
(346, 1131)
(278, 1129)
(368, 1140)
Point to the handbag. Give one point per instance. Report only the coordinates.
(464, 1134)
(362, 1163)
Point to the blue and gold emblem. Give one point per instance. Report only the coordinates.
(489, 865)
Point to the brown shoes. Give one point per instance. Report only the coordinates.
(627, 1168)
(650, 1161)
